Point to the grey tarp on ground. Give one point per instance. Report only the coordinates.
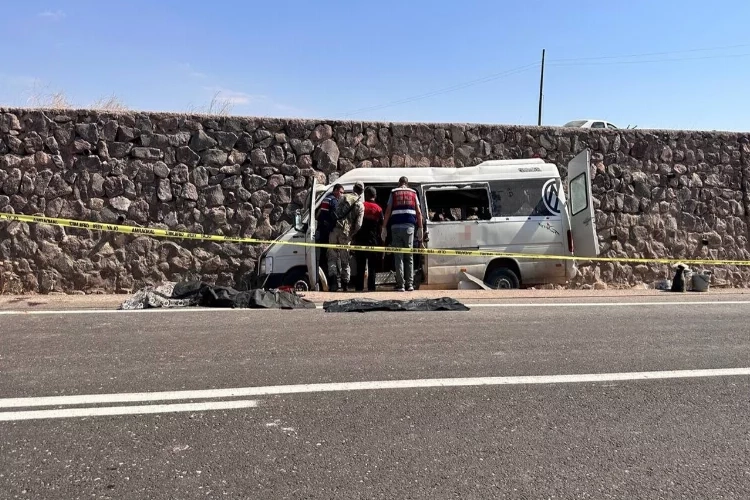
(368, 305)
(198, 294)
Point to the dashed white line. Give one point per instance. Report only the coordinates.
(125, 410)
(91, 399)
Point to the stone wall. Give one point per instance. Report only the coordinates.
(658, 193)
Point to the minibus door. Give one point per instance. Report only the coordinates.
(581, 207)
(310, 252)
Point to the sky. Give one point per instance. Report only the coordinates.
(677, 64)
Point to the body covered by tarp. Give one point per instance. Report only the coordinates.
(368, 305)
(199, 294)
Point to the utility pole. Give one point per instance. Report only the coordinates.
(541, 92)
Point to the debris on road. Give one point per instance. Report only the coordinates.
(468, 282)
(199, 294)
(369, 305)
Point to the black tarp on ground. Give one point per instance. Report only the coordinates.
(224, 296)
(199, 294)
(369, 305)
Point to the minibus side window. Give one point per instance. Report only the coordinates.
(449, 205)
(525, 198)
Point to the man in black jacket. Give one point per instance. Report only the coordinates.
(368, 235)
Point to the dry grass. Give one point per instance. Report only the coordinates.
(44, 98)
(109, 103)
(217, 107)
(49, 100)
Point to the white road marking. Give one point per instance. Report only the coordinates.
(613, 304)
(91, 399)
(319, 306)
(125, 410)
(132, 311)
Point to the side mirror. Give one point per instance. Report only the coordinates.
(298, 221)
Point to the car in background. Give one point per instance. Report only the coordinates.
(590, 124)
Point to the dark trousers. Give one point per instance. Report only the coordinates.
(321, 254)
(372, 261)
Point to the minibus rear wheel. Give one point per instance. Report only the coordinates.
(502, 278)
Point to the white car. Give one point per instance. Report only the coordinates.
(590, 124)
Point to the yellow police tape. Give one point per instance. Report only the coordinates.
(167, 233)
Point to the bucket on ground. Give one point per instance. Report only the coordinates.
(700, 281)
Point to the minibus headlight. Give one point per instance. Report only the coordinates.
(266, 266)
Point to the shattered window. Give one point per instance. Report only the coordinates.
(525, 198)
(452, 203)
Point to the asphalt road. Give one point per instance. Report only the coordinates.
(607, 437)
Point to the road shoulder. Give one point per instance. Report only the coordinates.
(84, 302)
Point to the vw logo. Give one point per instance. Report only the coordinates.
(550, 198)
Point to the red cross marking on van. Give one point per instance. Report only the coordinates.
(466, 236)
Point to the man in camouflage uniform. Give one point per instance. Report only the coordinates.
(348, 215)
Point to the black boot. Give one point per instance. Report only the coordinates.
(333, 284)
(344, 286)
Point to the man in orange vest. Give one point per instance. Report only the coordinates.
(405, 216)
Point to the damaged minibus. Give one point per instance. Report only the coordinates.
(511, 206)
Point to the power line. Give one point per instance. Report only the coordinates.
(578, 61)
(445, 90)
(649, 54)
(647, 61)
